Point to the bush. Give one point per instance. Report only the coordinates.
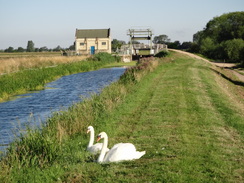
(133, 74)
(162, 54)
(103, 57)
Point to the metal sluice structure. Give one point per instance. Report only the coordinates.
(140, 34)
(135, 50)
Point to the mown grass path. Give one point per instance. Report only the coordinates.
(188, 119)
(191, 130)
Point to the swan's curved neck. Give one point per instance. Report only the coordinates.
(103, 151)
(91, 138)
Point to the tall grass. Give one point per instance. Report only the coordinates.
(134, 74)
(35, 79)
(13, 63)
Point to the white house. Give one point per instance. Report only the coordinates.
(91, 41)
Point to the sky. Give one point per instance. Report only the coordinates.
(52, 23)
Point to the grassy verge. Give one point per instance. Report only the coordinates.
(179, 113)
(35, 79)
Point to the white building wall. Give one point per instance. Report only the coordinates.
(83, 46)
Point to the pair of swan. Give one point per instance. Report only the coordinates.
(119, 152)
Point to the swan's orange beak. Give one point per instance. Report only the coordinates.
(98, 138)
(87, 131)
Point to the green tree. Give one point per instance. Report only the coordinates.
(225, 27)
(42, 49)
(116, 44)
(174, 45)
(20, 49)
(195, 48)
(185, 45)
(222, 37)
(197, 37)
(233, 49)
(161, 39)
(30, 46)
(58, 48)
(9, 49)
(208, 47)
(72, 47)
(228, 26)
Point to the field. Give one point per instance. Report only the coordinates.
(182, 111)
(13, 62)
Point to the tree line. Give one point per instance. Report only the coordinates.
(164, 39)
(31, 48)
(222, 38)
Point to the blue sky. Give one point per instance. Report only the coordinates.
(53, 22)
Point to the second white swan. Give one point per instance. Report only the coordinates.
(119, 152)
(93, 148)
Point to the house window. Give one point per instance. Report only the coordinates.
(82, 44)
(104, 43)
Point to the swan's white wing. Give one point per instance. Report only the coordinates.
(96, 148)
(122, 151)
(117, 145)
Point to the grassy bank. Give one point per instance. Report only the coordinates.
(35, 78)
(181, 112)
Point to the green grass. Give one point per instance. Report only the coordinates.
(122, 64)
(172, 119)
(144, 52)
(191, 131)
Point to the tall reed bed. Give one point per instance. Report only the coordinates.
(35, 79)
(41, 148)
(15, 64)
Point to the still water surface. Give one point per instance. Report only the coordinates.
(34, 108)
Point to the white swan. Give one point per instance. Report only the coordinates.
(119, 152)
(93, 148)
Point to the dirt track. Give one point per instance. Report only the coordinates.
(222, 65)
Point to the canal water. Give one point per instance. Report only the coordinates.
(34, 108)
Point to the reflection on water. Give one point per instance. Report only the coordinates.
(34, 108)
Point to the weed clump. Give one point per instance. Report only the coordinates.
(104, 57)
(134, 74)
(33, 149)
(162, 54)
